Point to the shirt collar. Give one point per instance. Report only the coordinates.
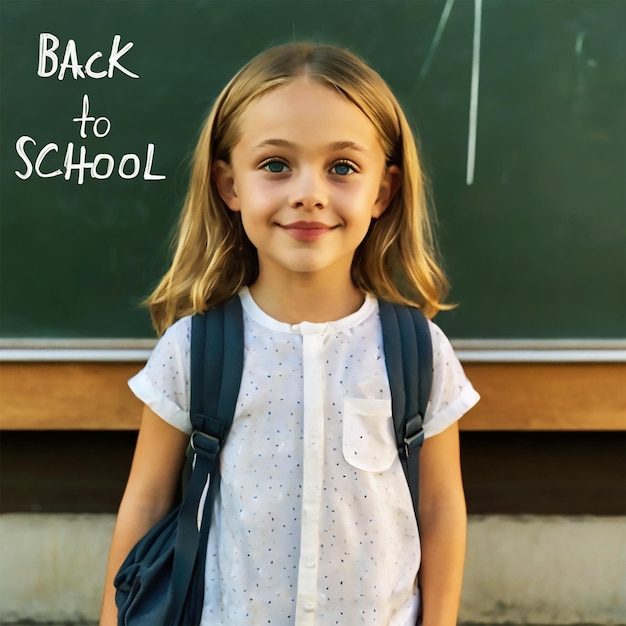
(369, 306)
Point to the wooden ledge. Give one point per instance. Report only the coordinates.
(515, 396)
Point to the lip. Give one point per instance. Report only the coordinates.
(307, 231)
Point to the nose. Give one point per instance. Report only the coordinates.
(309, 191)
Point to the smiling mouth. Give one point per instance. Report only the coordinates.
(307, 231)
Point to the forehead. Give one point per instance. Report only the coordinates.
(309, 112)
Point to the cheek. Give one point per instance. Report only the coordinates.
(360, 201)
(251, 227)
(256, 191)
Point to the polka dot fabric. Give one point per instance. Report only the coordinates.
(314, 523)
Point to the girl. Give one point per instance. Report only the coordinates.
(307, 200)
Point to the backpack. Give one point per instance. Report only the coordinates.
(162, 579)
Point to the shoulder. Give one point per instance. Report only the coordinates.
(440, 343)
(179, 331)
(442, 347)
(163, 383)
(173, 346)
(452, 394)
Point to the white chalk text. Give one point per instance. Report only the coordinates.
(41, 161)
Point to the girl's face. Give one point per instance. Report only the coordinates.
(307, 174)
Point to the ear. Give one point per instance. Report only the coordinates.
(222, 174)
(392, 179)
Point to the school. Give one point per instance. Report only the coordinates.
(519, 107)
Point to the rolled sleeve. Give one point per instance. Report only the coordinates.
(452, 394)
(163, 384)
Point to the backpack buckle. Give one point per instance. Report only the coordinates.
(204, 445)
(413, 443)
(414, 435)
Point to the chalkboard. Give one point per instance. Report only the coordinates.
(519, 106)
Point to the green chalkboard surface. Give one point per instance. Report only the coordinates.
(519, 104)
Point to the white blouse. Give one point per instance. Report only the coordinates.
(314, 523)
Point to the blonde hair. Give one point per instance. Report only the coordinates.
(214, 259)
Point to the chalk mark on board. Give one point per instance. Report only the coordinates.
(473, 112)
(434, 44)
(580, 38)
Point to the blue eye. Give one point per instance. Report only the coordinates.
(343, 169)
(275, 167)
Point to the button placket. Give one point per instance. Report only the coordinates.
(313, 468)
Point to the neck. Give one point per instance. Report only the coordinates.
(306, 300)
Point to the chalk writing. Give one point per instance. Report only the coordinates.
(49, 43)
(102, 165)
(82, 166)
(473, 112)
(84, 118)
(434, 44)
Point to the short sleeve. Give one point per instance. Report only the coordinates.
(452, 394)
(163, 384)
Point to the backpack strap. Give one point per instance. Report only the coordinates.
(215, 378)
(409, 358)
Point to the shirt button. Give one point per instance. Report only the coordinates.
(309, 606)
(310, 563)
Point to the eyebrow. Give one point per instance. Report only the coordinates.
(337, 145)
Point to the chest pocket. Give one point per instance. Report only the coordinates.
(368, 438)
